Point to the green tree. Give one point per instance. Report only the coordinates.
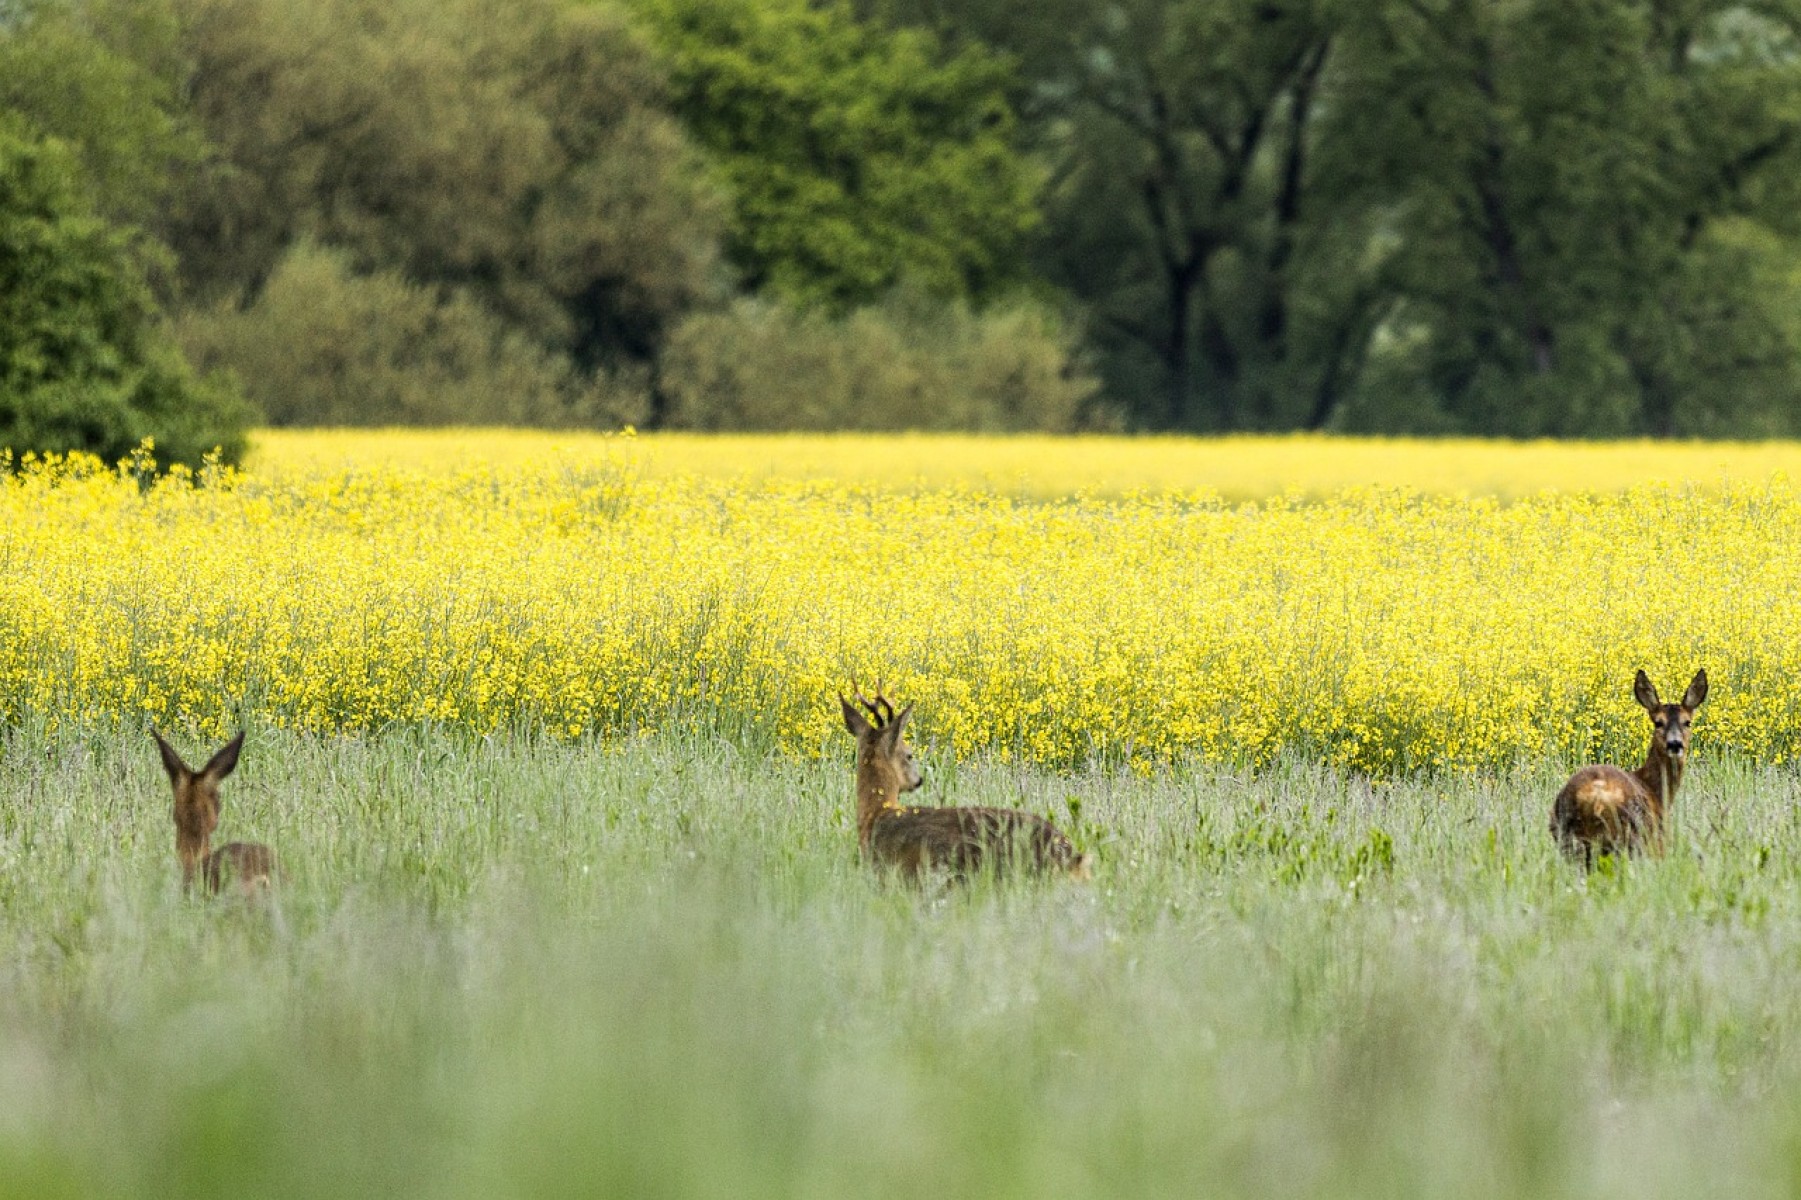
(515, 152)
(1551, 216)
(910, 362)
(1525, 218)
(100, 76)
(84, 363)
(1595, 203)
(1231, 282)
(857, 158)
(325, 345)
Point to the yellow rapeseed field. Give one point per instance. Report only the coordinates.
(583, 586)
(1044, 467)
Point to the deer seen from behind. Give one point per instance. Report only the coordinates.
(1608, 810)
(914, 839)
(248, 866)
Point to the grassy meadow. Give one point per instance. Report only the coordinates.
(544, 734)
(515, 967)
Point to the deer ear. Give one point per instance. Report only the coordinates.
(172, 763)
(226, 761)
(1643, 692)
(1697, 691)
(853, 720)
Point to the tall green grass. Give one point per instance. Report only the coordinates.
(516, 968)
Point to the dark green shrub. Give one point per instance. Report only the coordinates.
(325, 346)
(514, 153)
(84, 361)
(901, 365)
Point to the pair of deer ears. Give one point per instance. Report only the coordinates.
(1646, 694)
(860, 726)
(217, 767)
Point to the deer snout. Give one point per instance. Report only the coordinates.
(1675, 746)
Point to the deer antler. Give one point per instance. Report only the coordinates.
(881, 710)
(868, 706)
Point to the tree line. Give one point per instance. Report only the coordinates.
(1513, 217)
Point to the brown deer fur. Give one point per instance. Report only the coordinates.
(1608, 810)
(249, 866)
(914, 838)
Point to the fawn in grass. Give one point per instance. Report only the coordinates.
(913, 839)
(248, 866)
(1608, 810)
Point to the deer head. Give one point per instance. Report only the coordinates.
(885, 766)
(1671, 721)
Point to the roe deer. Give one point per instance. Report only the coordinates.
(1606, 810)
(249, 865)
(962, 840)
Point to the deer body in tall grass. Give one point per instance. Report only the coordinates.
(916, 838)
(1609, 810)
(249, 867)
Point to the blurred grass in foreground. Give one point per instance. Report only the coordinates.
(516, 968)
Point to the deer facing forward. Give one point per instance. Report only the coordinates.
(249, 866)
(915, 838)
(1607, 810)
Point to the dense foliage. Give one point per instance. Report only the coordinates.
(1534, 218)
(896, 366)
(84, 364)
(326, 344)
(857, 158)
(1543, 218)
(523, 161)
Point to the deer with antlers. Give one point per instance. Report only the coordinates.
(915, 839)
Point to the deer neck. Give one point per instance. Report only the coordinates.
(193, 840)
(192, 852)
(878, 789)
(1660, 774)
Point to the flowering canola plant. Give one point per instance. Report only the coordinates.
(1382, 629)
(1042, 466)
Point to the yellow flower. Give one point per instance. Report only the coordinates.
(618, 585)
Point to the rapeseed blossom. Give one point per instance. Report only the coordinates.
(1045, 467)
(587, 593)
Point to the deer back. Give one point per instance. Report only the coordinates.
(248, 867)
(1606, 810)
(967, 841)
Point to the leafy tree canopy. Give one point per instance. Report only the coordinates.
(515, 151)
(84, 364)
(100, 76)
(1543, 217)
(857, 157)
